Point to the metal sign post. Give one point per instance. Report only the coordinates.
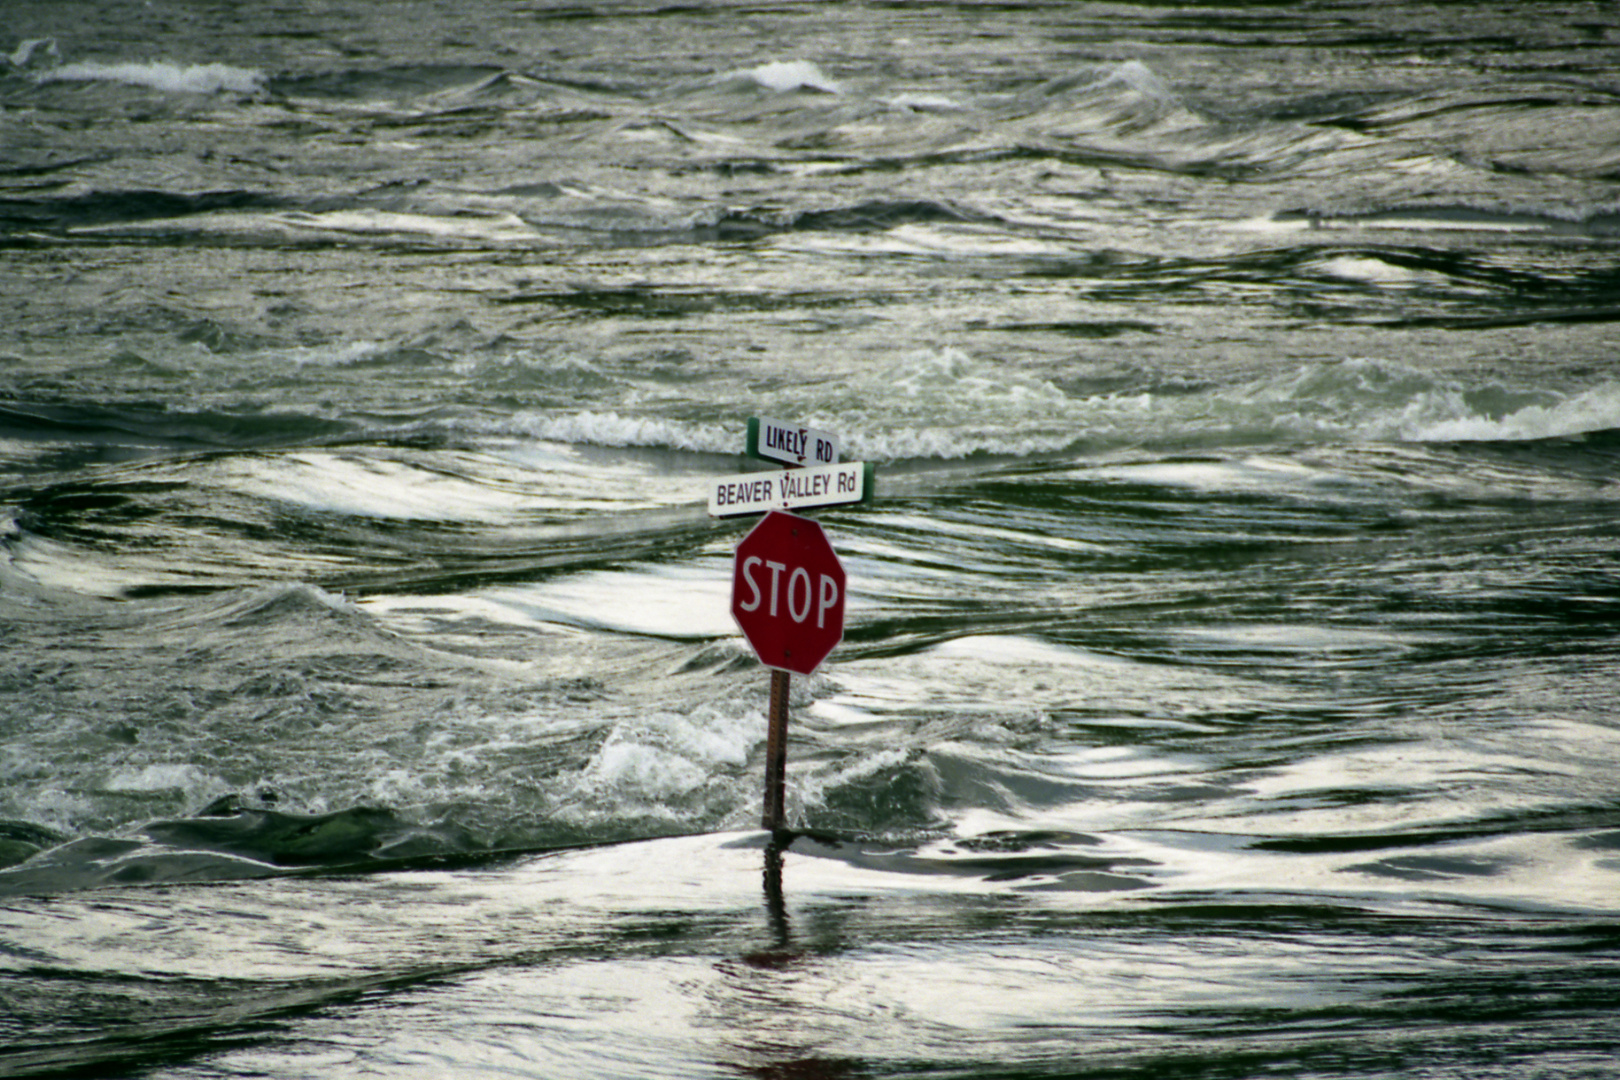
(776, 751)
(787, 585)
(787, 597)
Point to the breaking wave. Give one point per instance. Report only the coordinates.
(162, 75)
(949, 405)
(781, 77)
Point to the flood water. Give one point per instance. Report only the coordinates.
(1228, 682)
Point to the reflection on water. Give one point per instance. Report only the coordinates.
(765, 1000)
(669, 958)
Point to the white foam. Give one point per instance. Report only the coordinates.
(189, 780)
(486, 227)
(953, 375)
(925, 103)
(811, 787)
(1372, 271)
(612, 429)
(160, 75)
(946, 405)
(1388, 401)
(786, 76)
(341, 355)
(1137, 76)
(656, 764)
(1597, 409)
(651, 771)
(1368, 399)
(53, 808)
(874, 425)
(32, 50)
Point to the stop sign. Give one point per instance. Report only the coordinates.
(787, 592)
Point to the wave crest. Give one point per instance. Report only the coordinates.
(162, 75)
(783, 77)
(948, 405)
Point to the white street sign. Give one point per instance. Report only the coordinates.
(755, 493)
(789, 443)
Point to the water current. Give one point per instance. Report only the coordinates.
(1228, 683)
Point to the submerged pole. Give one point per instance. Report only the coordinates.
(776, 752)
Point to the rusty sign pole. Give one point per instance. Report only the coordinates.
(776, 752)
(788, 559)
(787, 597)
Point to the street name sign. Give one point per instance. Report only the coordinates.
(792, 489)
(790, 444)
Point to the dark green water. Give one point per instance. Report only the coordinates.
(1228, 685)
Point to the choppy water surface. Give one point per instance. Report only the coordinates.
(1229, 680)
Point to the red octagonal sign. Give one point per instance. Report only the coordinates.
(787, 592)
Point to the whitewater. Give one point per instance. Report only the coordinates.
(1227, 685)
